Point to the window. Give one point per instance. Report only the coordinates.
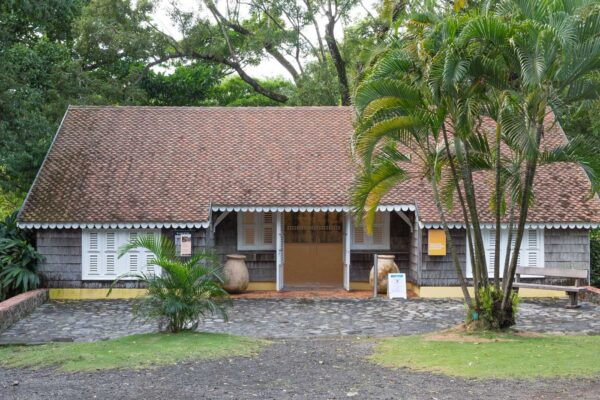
(531, 253)
(100, 255)
(256, 231)
(380, 240)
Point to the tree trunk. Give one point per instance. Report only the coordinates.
(498, 210)
(530, 169)
(338, 60)
(467, 177)
(455, 260)
(508, 243)
(461, 200)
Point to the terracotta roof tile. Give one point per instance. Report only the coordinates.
(169, 164)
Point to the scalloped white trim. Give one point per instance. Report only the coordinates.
(533, 225)
(113, 225)
(399, 207)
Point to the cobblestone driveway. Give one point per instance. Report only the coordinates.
(292, 318)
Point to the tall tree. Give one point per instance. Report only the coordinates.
(514, 62)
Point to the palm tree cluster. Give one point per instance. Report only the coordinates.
(518, 63)
(186, 290)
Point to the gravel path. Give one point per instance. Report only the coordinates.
(288, 369)
(293, 318)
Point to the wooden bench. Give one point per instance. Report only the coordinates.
(572, 291)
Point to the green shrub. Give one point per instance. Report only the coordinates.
(18, 259)
(595, 257)
(186, 290)
(489, 315)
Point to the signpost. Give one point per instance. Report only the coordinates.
(397, 286)
(375, 277)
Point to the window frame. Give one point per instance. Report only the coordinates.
(368, 239)
(523, 253)
(120, 265)
(259, 236)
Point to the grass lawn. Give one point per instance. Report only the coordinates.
(134, 351)
(493, 355)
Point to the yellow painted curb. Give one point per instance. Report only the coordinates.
(94, 294)
(261, 286)
(438, 292)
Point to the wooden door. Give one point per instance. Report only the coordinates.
(313, 250)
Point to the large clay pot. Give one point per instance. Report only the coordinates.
(385, 266)
(235, 274)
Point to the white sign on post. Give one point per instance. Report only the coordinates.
(185, 244)
(397, 286)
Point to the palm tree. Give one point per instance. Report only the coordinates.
(512, 61)
(185, 291)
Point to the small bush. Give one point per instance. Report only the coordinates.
(18, 259)
(185, 291)
(489, 315)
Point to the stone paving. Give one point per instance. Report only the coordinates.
(293, 318)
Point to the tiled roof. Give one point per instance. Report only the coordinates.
(170, 164)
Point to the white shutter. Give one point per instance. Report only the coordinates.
(534, 242)
(247, 235)
(489, 236)
(267, 222)
(379, 240)
(99, 254)
(94, 265)
(256, 231)
(531, 253)
(110, 265)
(94, 241)
(513, 241)
(150, 270)
(378, 230)
(358, 236)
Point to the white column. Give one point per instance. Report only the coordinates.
(279, 259)
(347, 238)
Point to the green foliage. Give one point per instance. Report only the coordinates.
(9, 202)
(131, 352)
(492, 355)
(185, 291)
(490, 315)
(233, 91)
(18, 259)
(316, 87)
(187, 85)
(595, 257)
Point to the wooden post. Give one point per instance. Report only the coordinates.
(375, 277)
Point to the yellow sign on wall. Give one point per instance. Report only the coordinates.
(436, 243)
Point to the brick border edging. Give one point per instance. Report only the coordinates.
(19, 306)
(592, 294)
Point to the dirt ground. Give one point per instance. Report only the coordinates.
(332, 368)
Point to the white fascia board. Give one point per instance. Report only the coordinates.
(532, 225)
(244, 208)
(113, 225)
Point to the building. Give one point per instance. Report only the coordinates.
(269, 183)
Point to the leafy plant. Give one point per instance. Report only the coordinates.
(490, 314)
(185, 291)
(595, 257)
(18, 259)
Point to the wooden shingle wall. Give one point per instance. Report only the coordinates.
(440, 270)
(61, 264)
(567, 248)
(261, 264)
(361, 261)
